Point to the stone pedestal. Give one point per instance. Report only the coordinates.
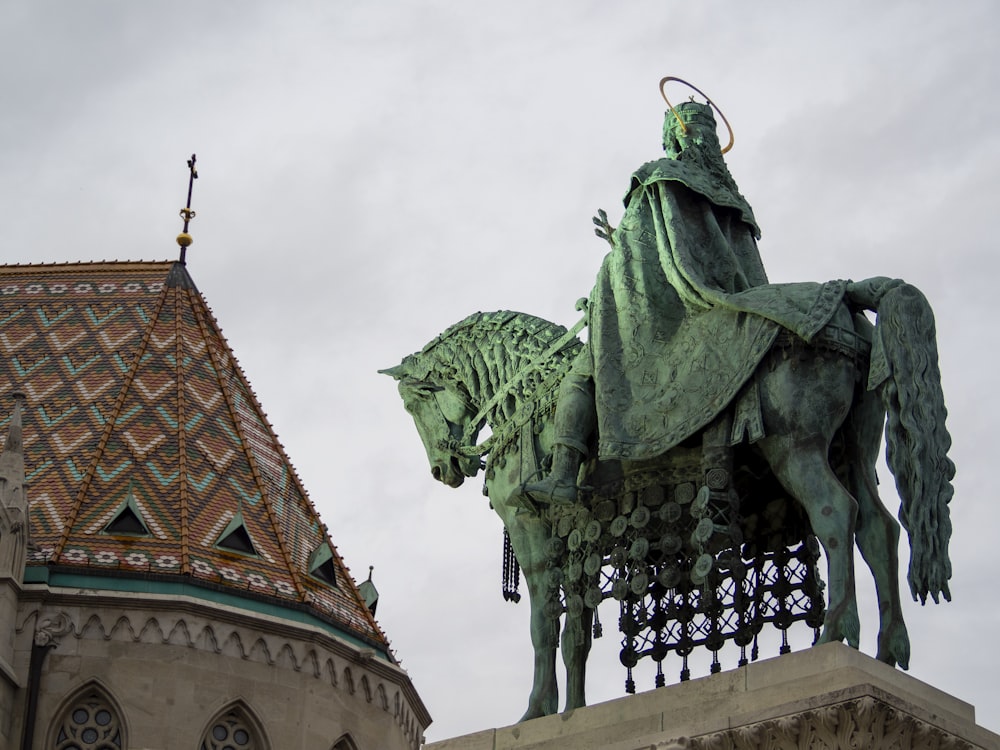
(825, 698)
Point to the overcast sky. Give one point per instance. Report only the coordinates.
(372, 172)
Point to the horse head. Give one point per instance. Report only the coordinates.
(444, 418)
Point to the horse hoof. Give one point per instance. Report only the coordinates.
(535, 712)
(842, 625)
(894, 650)
(530, 714)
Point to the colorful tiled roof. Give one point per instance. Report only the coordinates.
(146, 452)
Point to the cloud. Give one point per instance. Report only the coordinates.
(371, 174)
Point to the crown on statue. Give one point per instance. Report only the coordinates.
(692, 113)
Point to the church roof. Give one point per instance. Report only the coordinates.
(146, 452)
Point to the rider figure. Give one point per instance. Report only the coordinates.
(687, 240)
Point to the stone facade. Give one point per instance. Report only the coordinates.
(168, 667)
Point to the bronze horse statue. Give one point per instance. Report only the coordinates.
(823, 413)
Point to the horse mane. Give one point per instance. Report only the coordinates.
(485, 351)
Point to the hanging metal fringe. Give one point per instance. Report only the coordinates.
(511, 571)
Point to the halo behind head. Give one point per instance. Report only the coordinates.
(667, 79)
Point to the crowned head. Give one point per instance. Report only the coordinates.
(689, 124)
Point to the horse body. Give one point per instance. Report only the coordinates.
(486, 369)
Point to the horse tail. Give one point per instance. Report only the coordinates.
(904, 368)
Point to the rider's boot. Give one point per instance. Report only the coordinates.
(559, 487)
(574, 422)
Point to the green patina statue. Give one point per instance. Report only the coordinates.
(686, 245)
(711, 420)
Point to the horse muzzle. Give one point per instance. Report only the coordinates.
(448, 474)
(455, 469)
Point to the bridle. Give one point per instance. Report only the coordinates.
(465, 447)
(458, 447)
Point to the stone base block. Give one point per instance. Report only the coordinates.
(826, 698)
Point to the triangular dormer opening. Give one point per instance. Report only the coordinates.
(368, 591)
(321, 565)
(127, 520)
(236, 538)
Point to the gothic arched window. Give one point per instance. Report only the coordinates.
(345, 743)
(232, 730)
(90, 722)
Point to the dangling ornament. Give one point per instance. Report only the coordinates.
(511, 571)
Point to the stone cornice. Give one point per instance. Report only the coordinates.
(193, 623)
(94, 582)
(829, 697)
(865, 722)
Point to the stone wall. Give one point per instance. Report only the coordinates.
(168, 667)
(9, 593)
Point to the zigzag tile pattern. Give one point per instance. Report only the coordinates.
(133, 391)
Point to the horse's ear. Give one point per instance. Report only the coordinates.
(398, 372)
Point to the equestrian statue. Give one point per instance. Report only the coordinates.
(714, 431)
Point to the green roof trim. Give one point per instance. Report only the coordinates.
(205, 591)
(321, 565)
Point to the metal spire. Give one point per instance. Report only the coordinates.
(184, 239)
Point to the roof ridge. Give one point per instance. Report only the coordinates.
(181, 431)
(280, 448)
(81, 267)
(109, 426)
(199, 314)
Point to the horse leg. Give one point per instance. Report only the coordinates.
(805, 472)
(528, 536)
(544, 697)
(576, 642)
(804, 401)
(878, 540)
(877, 531)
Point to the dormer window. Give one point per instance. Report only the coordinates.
(321, 565)
(236, 538)
(127, 519)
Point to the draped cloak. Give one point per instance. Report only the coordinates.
(682, 312)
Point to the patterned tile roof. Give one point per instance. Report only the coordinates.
(137, 409)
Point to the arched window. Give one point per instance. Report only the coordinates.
(345, 743)
(90, 722)
(233, 729)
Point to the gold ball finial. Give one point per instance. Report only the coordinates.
(184, 239)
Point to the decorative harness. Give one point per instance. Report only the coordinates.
(462, 448)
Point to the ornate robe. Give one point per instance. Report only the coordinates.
(682, 313)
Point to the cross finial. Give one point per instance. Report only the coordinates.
(184, 239)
